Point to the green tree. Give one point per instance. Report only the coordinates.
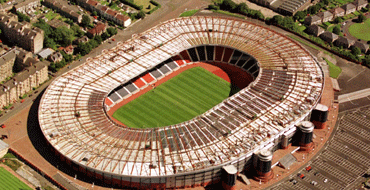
(259, 15)
(299, 15)
(105, 36)
(326, 2)
(313, 9)
(140, 15)
(85, 21)
(277, 19)
(67, 57)
(355, 51)
(52, 68)
(366, 61)
(336, 30)
(44, 26)
(289, 23)
(112, 31)
(94, 13)
(63, 36)
(22, 17)
(338, 20)
(361, 18)
(98, 39)
(242, 8)
(50, 43)
(77, 31)
(213, 7)
(228, 5)
(93, 44)
(83, 48)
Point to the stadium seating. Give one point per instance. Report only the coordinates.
(285, 76)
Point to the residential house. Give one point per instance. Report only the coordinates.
(349, 8)
(24, 59)
(27, 6)
(362, 46)
(23, 82)
(68, 50)
(328, 36)
(83, 3)
(91, 4)
(325, 16)
(21, 34)
(337, 12)
(83, 39)
(315, 30)
(56, 23)
(64, 10)
(314, 19)
(123, 20)
(6, 64)
(55, 57)
(111, 14)
(102, 10)
(344, 42)
(44, 54)
(97, 30)
(114, 16)
(359, 4)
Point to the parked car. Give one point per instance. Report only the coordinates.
(313, 183)
(302, 176)
(293, 181)
(308, 168)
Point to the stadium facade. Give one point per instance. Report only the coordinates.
(287, 85)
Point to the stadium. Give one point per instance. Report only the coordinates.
(284, 85)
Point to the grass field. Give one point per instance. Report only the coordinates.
(145, 4)
(334, 71)
(9, 182)
(189, 13)
(360, 30)
(181, 98)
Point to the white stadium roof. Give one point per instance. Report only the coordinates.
(287, 88)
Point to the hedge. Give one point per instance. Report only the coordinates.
(155, 3)
(157, 6)
(154, 9)
(132, 4)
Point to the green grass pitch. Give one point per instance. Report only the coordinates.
(361, 30)
(10, 182)
(181, 98)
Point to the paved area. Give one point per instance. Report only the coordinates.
(354, 95)
(344, 161)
